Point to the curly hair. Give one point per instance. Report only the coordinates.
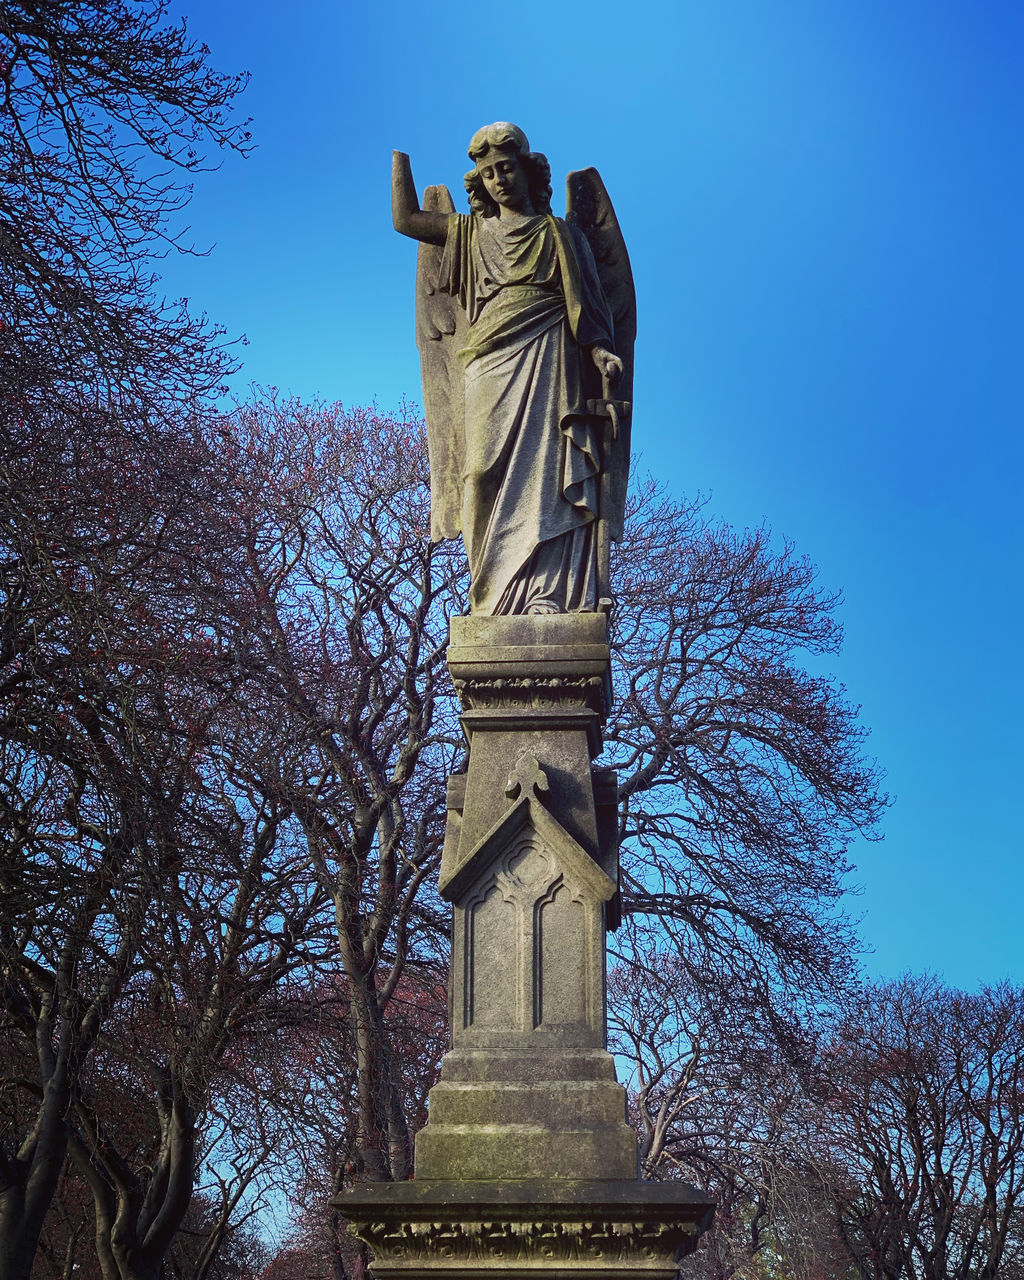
(504, 136)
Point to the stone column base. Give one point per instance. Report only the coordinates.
(523, 1114)
(526, 1230)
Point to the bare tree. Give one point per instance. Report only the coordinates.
(163, 920)
(743, 775)
(98, 792)
(106, 109)
(101, 105)
(227, 958)
(925, 1119)
(256, 630)
(351, 716)
(718, 1095)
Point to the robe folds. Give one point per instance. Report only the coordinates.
(533, 301)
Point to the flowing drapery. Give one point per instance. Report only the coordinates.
(530, 480)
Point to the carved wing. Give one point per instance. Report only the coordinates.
(439, 326)
(589, 208)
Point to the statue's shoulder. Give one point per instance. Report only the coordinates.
(573, 237)
(566, 228)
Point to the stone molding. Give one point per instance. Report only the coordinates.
(532, 1229)
(533, 693)
(583, 1244)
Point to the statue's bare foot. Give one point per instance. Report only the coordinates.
(543, 607)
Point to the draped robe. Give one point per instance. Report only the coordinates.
(533, 301)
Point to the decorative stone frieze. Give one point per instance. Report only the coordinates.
(579, 1229)
(532, 692)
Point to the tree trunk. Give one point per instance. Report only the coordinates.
(371, 1140)
(31, 1179)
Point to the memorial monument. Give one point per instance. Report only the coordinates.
(525, 324)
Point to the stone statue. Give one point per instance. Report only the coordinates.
(525, 322)
(527, 1164)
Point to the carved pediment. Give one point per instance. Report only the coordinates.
(527, 820)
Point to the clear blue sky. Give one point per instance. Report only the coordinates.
(824, 205)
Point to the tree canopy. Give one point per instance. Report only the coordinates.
(107, 109)
(228, 723)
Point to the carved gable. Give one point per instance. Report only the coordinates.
(529, 930)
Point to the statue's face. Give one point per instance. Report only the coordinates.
(505, 180)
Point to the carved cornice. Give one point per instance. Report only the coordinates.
(499, 1244)
(523, 1228)
(508, 693)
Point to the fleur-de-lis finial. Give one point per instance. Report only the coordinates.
(527, 778)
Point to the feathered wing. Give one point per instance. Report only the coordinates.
(589, 208)
(439, 325)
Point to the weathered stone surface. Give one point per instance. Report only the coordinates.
(524, 1066)
(527, 1166)
(547, 1102)
(531, 638)
(528, 452)
(514, 1152)
(529, 936)
(534, 1229)
(536, 686)
(529, 1089)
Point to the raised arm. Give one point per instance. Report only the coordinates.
(406, 213)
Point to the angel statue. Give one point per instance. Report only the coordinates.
(524, 324)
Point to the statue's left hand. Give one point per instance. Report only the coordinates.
(609, 366)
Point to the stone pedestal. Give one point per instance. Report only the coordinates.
(528, 1230)
(527, 1165)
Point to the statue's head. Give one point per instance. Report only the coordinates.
(503, 154)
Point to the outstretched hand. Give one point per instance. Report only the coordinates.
(609, 365)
